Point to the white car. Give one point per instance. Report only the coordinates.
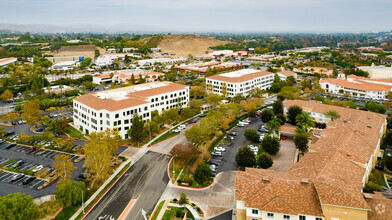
(181, 127)
(244, 122)
(213, 167)
(219, 149)
(38, 168)
(240, 124)
(176, 130)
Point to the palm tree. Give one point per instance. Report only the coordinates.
(274, 124)
(332, 114)
(304, 120)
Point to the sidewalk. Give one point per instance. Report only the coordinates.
(193, 211)
(163, 209)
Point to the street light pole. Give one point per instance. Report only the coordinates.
(82, 202)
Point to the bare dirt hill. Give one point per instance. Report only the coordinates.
(78, 50)
(185, 44)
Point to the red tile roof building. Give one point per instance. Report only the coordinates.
(327, 182)
(115, 108)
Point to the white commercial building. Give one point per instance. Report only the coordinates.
(149, 62)
(240, 81)
(4, 62)
(65, 65)
(377, 72)
(115, 108)
(357, 86)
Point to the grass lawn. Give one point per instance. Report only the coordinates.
(379, 176)
(158, 210)
(71, 131)
(174, 210)
(67, 213)
(164, 137)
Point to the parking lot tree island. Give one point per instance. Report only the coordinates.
(31, 111)
(245, 158)
(64, 168)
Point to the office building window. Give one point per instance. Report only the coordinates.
(270, 215)
(255, 211)
(301, 217)
(286, 217)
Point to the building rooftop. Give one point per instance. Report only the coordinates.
(117, 99)
(240, 75)
(359, 84)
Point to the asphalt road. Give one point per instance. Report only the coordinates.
(144, 181)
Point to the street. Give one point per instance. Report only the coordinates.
(144, 181)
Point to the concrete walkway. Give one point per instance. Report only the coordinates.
(217, 198)
(163, 209)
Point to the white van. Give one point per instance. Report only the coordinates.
(181, 127)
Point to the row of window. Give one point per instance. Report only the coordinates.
(285, 217)
(166, 97)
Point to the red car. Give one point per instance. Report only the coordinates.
(33, 149)
(192, 121)
(284, 137)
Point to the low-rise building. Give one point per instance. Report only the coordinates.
(4, 62)
(327, 182)
(357, 86)
(149, 62)
(313, 70)
(55, 60)
(203, 68)
(378, 72)
(115, 108)
(65, 65)
(126, 75)
(284, 74)
(240, 81)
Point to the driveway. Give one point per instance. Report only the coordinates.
(285, 157)
(214, 200)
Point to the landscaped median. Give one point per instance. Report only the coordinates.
(167, 209)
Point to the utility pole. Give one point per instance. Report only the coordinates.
(82, 202)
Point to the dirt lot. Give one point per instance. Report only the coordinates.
(184, 44)
(78, 50)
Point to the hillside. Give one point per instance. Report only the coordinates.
(78, 50)
(185, 44)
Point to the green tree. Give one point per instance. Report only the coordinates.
(290, 92)
(186, 113)
(304, 120)
(6, 95)
(70, 193)
(278, 107)
(196, 135)
(58, 126)
(256, 92)
(375, 107)
(18, 108)
(183, 199)
(332, 114)
(170, 116)
(136, 132)
(292, 113)
(388, 162)
(251, 135)
(214, 100)
(274, 124)
(238, 98)
(203, 173)
(264, 160)
(45, 119)
(277, 84)
(266, 115)
(17, 206)
(245, 157)
(195, 105)
(301, 141)
(270, 145)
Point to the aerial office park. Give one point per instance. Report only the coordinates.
(234, 130)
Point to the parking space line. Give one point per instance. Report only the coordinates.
(4, 161)
(6, 176)
(9, 179)
(18, 181)
(2, 174)
(45, 153)
(21, 182)
(28, 166)
(39, 182)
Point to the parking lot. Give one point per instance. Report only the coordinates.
(282, 161)
(31, 160)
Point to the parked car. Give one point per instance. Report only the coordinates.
(220, 149)
(213, 167)
(240, 124)
(181, 127)
(40, 130)
(389, 152)
(75, 147)
(232, 133)
(17, 177)
(212, 162)
(244, 122)
(29, 180)
(2, 141)
(192, 121)
(216, 154)
(17, 164)
(203, 115)
(263, 129)
(176, 130)
(10, 146)
(38, 168)
(51, 174)
(33, 149)
(283, 137)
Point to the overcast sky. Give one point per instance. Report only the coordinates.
(206, 15)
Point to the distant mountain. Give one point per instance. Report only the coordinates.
(79, 28)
